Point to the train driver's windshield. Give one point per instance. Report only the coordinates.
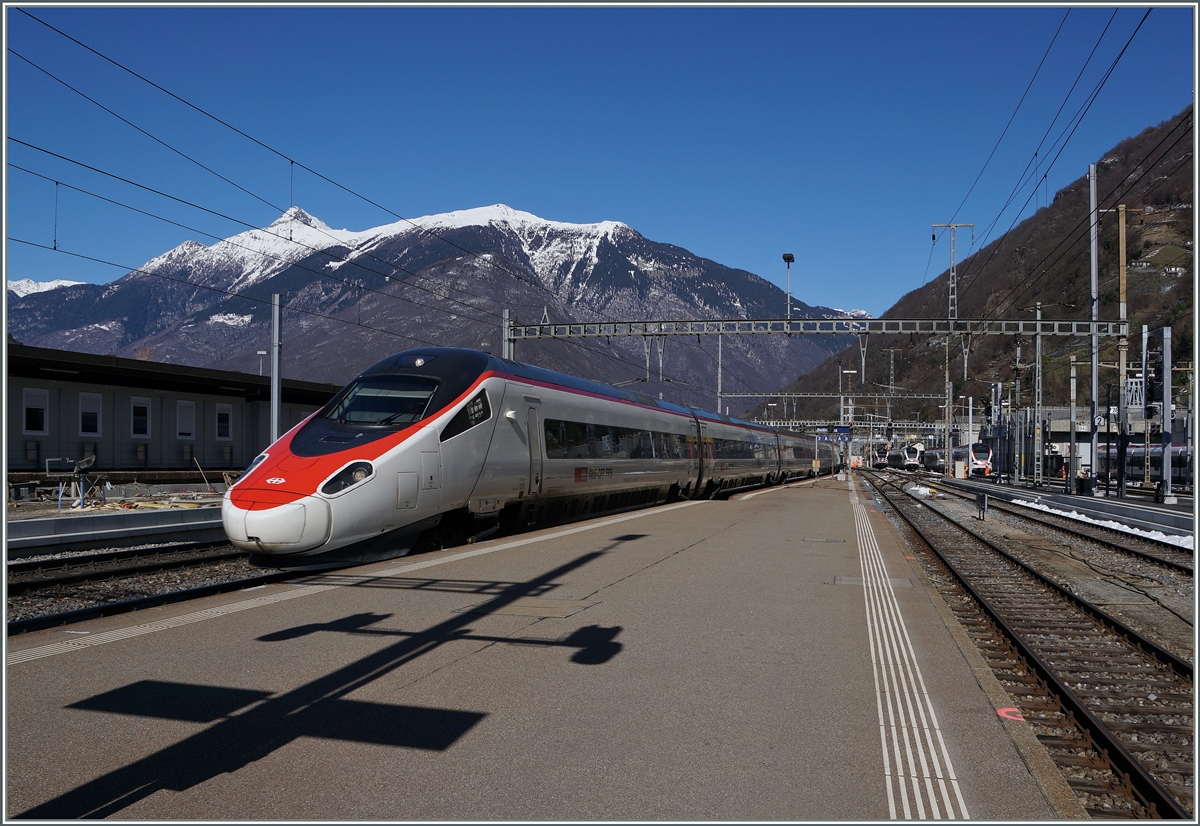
(381, 400)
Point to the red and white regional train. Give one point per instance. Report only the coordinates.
(441, 446)
(978, 460)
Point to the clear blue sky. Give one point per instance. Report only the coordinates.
(837, 134)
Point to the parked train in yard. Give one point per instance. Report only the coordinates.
(977, 458)
(906, 457)
(1182, 459)
(439, 446)
(879, 455)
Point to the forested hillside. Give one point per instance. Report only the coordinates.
(1046, 258)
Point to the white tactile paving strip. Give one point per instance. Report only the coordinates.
(917, 766)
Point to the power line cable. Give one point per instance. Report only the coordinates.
(1013, 116)
(1037, 152)
(282, 155)
(1078, 120)
(1113, 194)
(211, 288)
(132, 125)
(1116, 193)
(325, 251)
(292, 161)
(353, 284)
(209, 169)
(349, 283)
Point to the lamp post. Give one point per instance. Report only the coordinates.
(788, 258)
(261, 353)
(843, 398)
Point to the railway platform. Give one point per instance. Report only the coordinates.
(774, 656)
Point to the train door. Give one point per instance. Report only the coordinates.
(431, 477)
(535, 453)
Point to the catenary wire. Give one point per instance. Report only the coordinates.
(394, 269)
(211, 288)
(1078, 120)
(614, 357)
(1013, 116)
(483, 260)
(217, 174)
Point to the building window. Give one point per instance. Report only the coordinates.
(37, 409)
(224, 421)
(139, 427)
(89, 414)
(185, 420)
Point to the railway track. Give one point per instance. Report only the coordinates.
(70, 569)
(1113, 709)
(59, 589)
(1144, 548)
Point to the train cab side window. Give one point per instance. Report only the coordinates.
(476, 411)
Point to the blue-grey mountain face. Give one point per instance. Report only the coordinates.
(352, 297)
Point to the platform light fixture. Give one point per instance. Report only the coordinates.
(789, 259)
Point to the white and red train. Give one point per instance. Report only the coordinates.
(978, 459)
(440, 446)
(906, 457)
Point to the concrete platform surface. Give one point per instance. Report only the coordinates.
(775, 656)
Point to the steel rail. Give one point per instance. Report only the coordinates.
(125, 606)
(85, 558)
(1021, 513)
(1178, 664)
(1155, 796)
(24, 586)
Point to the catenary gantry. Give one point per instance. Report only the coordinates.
(818, 326)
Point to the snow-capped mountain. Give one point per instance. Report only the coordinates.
(352, 297)
(27, 286)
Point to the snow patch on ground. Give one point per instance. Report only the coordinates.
(1180, 541)
(232, 319)
(920, 490)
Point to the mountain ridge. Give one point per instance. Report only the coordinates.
(436, 279)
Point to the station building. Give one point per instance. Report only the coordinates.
(141, 420)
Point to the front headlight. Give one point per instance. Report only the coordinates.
(347, 477)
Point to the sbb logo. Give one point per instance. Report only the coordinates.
(276, 480)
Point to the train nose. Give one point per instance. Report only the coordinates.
(287, 528)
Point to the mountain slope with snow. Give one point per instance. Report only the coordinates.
(27, 286)
(352, 297)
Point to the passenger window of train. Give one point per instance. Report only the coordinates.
(476, 411)
(382, 400)
(567, 440)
